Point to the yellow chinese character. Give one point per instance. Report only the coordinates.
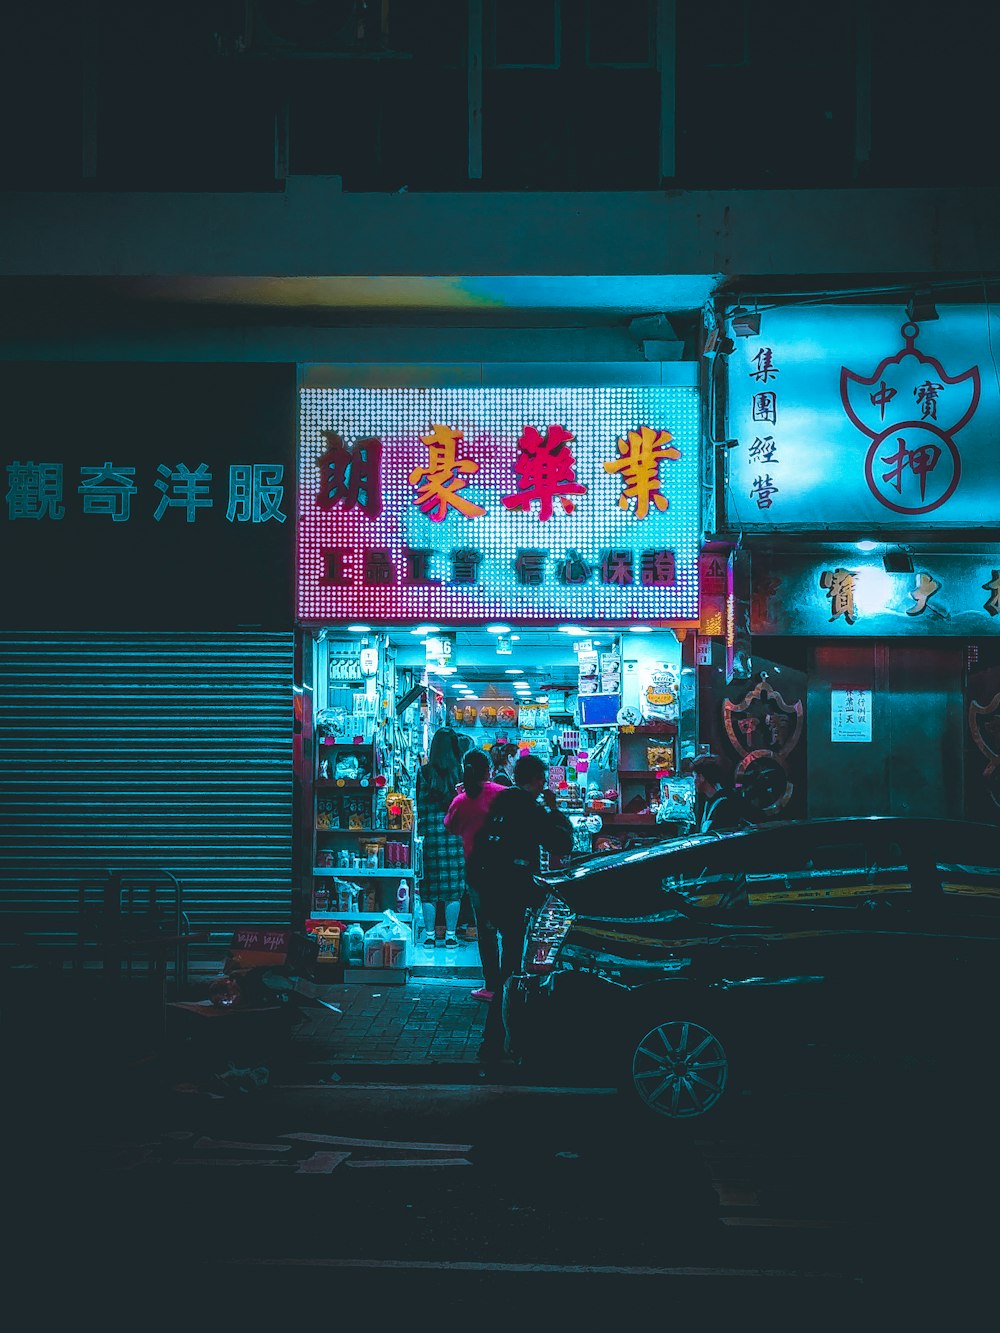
(925, 589)
(445, 475)
(992, 603)
(839, 584)
(640, 468)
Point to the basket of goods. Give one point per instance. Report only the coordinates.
(506, 716)
(488, 716)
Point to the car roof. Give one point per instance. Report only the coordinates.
(903, 825)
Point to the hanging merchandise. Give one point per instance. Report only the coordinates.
(659, 687)
(677, 800)
(587, 668)
(611, 673)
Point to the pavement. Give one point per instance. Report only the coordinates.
(427, 1029)
(432, 1020)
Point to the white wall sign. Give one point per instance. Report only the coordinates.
(850, 715)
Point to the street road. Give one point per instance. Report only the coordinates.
(380, 1199)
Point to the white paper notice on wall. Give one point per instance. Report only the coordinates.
(850, 714)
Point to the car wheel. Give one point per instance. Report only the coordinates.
(679, 1069)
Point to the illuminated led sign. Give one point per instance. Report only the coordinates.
(471, 504)
(859, 418)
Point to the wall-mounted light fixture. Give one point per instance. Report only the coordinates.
(745, 323)
(920, 308)
(897, 562)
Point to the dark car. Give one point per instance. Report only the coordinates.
(682, 970)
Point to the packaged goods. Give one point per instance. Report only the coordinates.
(659, 757)
(354, 945)
(327, 935)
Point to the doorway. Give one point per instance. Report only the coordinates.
(907, 757)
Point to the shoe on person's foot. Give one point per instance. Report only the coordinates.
(430, 939)
(451, 941)
(482, 994)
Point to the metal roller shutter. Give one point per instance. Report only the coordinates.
(144, 751)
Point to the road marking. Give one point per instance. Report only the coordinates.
(477, 1086)
(321, 1163)
(612, 1270)
(409, 1161)
(339, 1141)
(735, 1196)
(205, 1142)
(807, 1223)
(225, 1161)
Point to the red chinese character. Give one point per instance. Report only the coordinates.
(545, 469)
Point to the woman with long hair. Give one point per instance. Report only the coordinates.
(502, 758)
(466, 816)
(444, 861)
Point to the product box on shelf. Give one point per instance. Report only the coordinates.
(327, 935)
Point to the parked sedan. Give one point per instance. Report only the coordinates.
(681, 970)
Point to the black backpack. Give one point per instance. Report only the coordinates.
(503, 885)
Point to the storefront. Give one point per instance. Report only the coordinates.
(516, 565)
(146, 641)
(862, 477)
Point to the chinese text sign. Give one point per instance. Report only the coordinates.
(856, 416)
(465, 504)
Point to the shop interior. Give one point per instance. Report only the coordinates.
(601, 707)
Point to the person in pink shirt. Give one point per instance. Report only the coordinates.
(466, 816)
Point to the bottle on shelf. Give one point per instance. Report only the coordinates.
(354, 945)
(403, 897)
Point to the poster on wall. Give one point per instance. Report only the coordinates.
(855, 415)
(461, 504)
(850, 715)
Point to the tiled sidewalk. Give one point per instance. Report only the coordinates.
(430, 1020)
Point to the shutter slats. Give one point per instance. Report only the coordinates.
(144, 752)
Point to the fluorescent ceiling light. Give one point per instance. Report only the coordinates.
(425, 629)
(641, 629)
(575, 630)
(541, 698)
(866, 545)
(497, 629)
(514, 671)
(358, 629)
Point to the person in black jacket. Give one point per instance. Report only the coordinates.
(721, 808)
(521, 820)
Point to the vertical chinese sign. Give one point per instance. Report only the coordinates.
(465, 504)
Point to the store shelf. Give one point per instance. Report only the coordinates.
(654, 729)
(325, 915)
(640, 774)
(392, 832)
(398, 872)
(345, 784)
(345, 745)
